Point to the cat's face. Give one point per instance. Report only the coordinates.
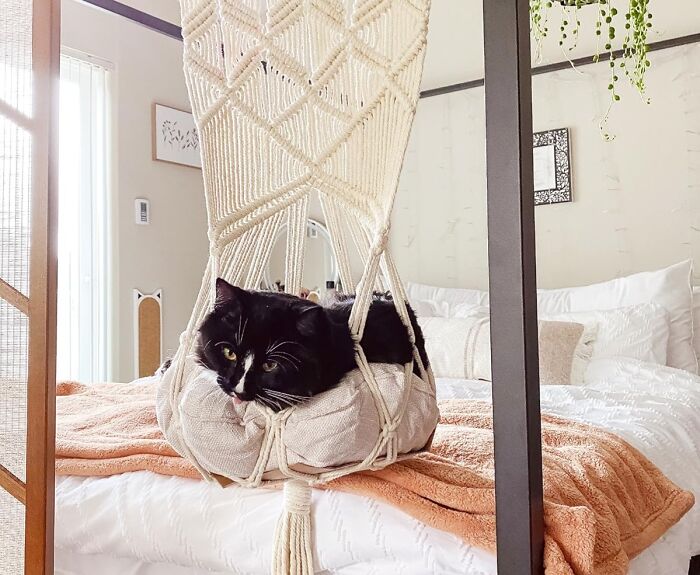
(264, 346)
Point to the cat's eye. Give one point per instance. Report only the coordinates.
(229, 354)
(269, 366)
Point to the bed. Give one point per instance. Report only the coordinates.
(151, 525)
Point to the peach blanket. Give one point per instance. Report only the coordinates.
(604, 501)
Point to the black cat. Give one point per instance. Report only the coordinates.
(280, 350)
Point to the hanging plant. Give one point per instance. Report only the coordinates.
(609, 25)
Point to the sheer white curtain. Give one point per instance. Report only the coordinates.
(83, 244)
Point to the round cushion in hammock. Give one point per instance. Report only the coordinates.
(325, 437)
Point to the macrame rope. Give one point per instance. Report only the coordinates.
(294, 97)
(293, 551)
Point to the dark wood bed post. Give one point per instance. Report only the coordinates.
(512, 286)
(41, 384)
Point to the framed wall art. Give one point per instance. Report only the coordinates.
(552, 167)
(175, 137)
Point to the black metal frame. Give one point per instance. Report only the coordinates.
(513, 288)
(557, 66)
(139, 17)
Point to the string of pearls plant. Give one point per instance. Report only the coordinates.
(631, 25)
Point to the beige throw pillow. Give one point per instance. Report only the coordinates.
(461, 348)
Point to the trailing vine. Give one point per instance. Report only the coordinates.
(636, 21)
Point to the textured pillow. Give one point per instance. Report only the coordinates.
(669, 288)
(636, 332)
(461, 348)
(335, 429)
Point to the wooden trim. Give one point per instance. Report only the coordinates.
(512, 288)
(14, 297)
(12, 484)
(139, 17)
(556, 66)
(41, 385)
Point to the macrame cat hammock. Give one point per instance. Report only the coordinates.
(293, 98)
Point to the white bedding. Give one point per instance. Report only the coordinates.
(144, 523)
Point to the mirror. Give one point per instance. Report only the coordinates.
(320, 268)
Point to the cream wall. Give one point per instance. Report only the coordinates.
(171, 252)
(636, 199)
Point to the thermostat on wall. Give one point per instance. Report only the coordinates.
(142, 211)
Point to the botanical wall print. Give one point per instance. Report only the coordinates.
(552, 167)
(175, 137)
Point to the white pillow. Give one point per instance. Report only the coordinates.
(451, 296)
(636, 332)
(460, 348)
(669, 288)
(432, 308)
(429, 308)
(696, 320)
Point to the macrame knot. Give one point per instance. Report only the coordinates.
(293, 551)
(380, 242)
(297, 497)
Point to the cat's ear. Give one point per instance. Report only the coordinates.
(226, 293)
(311, 321)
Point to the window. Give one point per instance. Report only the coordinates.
(84, 231)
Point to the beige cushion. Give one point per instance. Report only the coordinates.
(461, 348)
(332, 431)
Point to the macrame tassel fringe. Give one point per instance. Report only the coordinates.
(293, 546)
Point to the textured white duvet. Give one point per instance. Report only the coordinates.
(146, 524)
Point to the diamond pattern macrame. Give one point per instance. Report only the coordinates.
(292, 98)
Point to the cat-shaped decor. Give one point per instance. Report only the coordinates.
(281, 350)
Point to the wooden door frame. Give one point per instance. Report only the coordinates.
(41, 384)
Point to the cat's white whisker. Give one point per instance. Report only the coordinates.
(242, 325)
(288, 398)
(277, 344)
(265, 401)
(285, 354)
(277, 391)
(270, 402)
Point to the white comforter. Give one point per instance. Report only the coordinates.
(146, 522)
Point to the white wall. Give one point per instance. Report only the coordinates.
(171, 252)
(455, 36)
(636, 199)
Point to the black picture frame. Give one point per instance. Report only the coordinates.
(561, 192)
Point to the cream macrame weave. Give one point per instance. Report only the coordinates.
(293, 98)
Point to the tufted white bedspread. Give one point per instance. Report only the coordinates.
(146, 524)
